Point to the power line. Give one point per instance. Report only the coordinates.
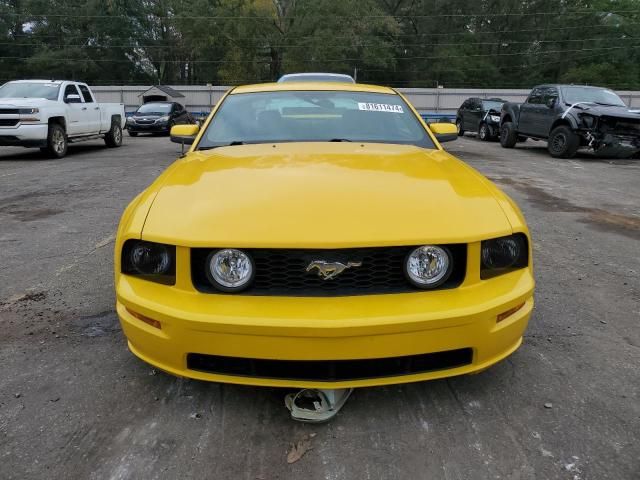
(497, 67)
(336, 60)
(361, 45)
(393, 36)
(271, 18)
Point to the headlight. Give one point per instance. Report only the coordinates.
(495, 118)
(588, 120)
(230, 270)
(500, 254)
(163, 119)
(153, 260)
(130, 120)
(428, 266)
(28, 111)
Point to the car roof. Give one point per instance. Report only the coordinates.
(492, 99)
(557, 85)
(330, 77)
(40, 81)
(319, 86)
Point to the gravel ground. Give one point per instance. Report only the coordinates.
(74, 403)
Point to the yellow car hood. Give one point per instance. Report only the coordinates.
(322, 195)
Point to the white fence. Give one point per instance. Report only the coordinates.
(429, 101)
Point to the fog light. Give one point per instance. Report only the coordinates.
(230, 270)
(428, 266)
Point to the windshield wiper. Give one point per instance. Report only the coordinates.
(339, 140)
(231, 144)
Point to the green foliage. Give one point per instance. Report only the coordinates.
(405, 43)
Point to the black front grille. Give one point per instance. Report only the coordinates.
(329, 370)
(8, 122)
(145, 122)
(9, 111)
(283, 272)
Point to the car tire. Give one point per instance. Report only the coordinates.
(563, 142)
(57, 143)
(484, 132)
(132, 134)
(113, 138)
(459, 127)
(508, 135)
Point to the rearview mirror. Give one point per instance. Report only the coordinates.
(72, 98)
(444, 132)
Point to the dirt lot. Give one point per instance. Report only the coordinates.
(74, 403)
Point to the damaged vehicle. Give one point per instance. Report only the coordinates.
(570, 117)
(481, 115)
(318, 236)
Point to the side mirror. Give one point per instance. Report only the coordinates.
(444, 132)
(184, 134)
(551, 102)
(72, 98)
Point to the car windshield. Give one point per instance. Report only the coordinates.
(155, 108)
(591, 95)
(314, 116)
(491, 105)
(48, 91)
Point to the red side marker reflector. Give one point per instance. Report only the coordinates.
(147, 320)
(509, 312)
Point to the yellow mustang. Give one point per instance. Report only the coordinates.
(317, 235)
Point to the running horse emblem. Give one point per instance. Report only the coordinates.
(330, 270)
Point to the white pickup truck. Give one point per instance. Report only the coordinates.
(51, 114)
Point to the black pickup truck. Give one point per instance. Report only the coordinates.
(570, 117)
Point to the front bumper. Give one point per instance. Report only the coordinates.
(148, 128)
(618, 146)
(336, 328)
(24, 135)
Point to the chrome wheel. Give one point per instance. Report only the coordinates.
(117, 135)
(58, 141)
(113, 138)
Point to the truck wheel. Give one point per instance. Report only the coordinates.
(484, 133)
(113, 138)
(133, 134)
(508, 135)
(459, 127)
(56, 141)
(563, 142)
